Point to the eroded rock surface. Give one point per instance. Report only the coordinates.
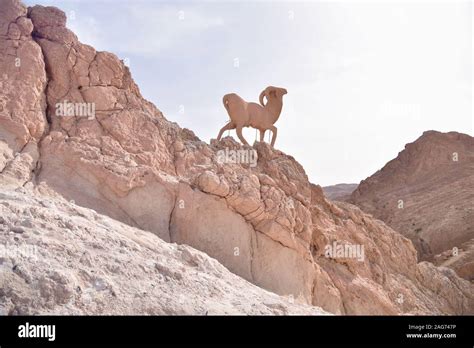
(266, 223)
(59, 258)
(22, 98)
(460, 259)
(427, 194)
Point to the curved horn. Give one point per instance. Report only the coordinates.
(264, 93)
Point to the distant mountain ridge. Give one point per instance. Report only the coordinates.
(339, 192)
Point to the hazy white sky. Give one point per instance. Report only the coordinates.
(363, 78)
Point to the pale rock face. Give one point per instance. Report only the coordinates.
(265, 222)
(427, 194)
(59, 258)
(206, 223)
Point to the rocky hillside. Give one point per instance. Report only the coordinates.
(266, 223)
(427, 194)
(339, 192)
(59, 258)
(461, 259)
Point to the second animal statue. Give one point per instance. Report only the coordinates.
(259, 116)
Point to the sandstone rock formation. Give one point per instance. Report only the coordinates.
(22, 98)
(59, 258)
(339, 192)
(427, 194)
(266, 223)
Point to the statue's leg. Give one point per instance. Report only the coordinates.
(274, 131)
(228, 126)
(262, 134)
(239, 134)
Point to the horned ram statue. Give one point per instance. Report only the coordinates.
(259, 116)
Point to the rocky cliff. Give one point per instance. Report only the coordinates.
(59, 258)
(266, 223)
(427, 194)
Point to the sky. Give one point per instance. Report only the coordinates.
(363, 77)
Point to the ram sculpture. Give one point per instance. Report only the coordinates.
(259, 116)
